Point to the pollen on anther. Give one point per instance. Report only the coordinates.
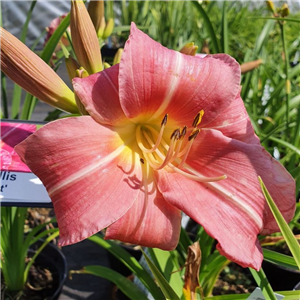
(194, 134)
(198, 118)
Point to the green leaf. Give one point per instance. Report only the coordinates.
(162, 282)
(224, 32)
(54, 39)
(276, 19)
(280, 259)
(167, 263)
(131, 263)
(288, 295)
(215, 46)
(263, 283)
(284, 227)
(122, 282)
(209, 274)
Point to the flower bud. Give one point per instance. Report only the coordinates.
(106, 65)
(205, 48)
(285, 11)
(84, 38)
(189, 49)
(251, 65)
(108, 29)
(31, 73)
(271, 6)
(118, 56)
(72, 66)
(51, 29)
(96, 12)
(81, 73)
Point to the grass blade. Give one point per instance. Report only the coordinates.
(131, 263)
(164, 285)
(123, 283)
(263, 283)
(214, 41)
(224, 32)
(284, 227)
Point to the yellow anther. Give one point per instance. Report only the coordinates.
(198, 118)
(194, 134)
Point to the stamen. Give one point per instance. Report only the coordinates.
(188, 147)
(197, 178)
(176, 134)
(198, 118)
(165, 120)
(174, 138)
(194, 134)
(154, 165)
(183, 132)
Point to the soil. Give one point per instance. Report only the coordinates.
(40, 285)
(42, 281)
(234, 280)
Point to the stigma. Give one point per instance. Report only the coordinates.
(160, 151)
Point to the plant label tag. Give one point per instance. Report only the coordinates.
(20, 189)
(258, 295)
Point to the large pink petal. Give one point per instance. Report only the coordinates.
(99, 93)
(150, 222)
(11, 135)
(233, 210)
(91, 177)
(154, 80)
(234, 122)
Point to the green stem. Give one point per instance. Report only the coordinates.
(288, 84)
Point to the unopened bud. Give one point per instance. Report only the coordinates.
(72, 66)
(285, 11)
(205, 48)
(84, 38)
(271, 6)
(118, 56)
(96, 12)
(108, 29)
(251, 65)
(81, 73)
(189, 49)
(106, 65)
(288, 86)
(32, 74)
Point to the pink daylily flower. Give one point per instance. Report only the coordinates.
(51, 29)
(132, 166)
(11, 135)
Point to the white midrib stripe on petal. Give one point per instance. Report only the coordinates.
(233, 198)
(86, 170)
(172, 87)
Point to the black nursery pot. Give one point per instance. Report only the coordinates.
(118, 266)
(281, 278)
(52, 259)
